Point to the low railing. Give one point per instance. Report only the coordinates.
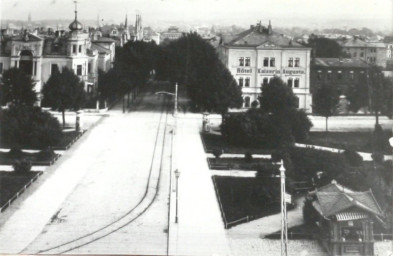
(6, 205)
(244, 219)
(219, 202)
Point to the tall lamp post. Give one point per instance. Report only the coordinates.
(284, 224)
(177, 175)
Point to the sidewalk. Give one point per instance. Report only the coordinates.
(200, 229)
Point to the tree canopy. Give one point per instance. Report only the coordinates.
(326, 48)
(28, 126)
(64, 91)
(276, 124)
(194, 64)
(325, 101)
(17, 87)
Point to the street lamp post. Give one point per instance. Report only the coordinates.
(284, 224)
(177, 175)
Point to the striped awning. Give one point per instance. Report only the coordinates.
(343, 216)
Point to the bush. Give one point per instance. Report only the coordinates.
(353, 158)
(21, 166)
(15, 152)
(218, 152)
(248, 157)
(377, 157)
(310, 215)
(301, 125)
(30, 127)
(46, 154)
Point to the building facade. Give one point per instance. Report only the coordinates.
(372, 52)
(342, 73)
(41, 55)
(257, 55)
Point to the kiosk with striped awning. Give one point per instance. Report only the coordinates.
(346, 219)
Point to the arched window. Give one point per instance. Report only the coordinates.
(247, 102)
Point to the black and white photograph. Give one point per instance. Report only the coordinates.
(196, 127)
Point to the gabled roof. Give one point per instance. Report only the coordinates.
(335, 199)
(255, 37)
(341, 62)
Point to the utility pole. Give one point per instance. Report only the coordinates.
(284, 223)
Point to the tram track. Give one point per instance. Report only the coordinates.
(147, 199)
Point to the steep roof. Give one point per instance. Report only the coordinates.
(335, 199)
(340, 62)
(260, 36)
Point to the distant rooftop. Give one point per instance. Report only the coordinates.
(340, 62)
(260, 36)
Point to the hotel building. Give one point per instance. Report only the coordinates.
(258, 54)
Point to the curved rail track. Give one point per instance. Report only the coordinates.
(148, 198)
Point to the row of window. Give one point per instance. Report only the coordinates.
(55, 68)
(74, 47)
(339, 75)
(269, 62)
(245, 82)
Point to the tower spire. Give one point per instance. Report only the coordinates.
(76, 11)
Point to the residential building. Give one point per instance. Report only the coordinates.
(41, 55)
(346, 219)
(258, 54)
(342, 73)
(372, 52)
(172, 33)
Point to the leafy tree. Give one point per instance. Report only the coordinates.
(381, 93)
(325, 102)
(17, 87)
(326, 48)
(277, 97)
(64, 91)
(358, 95)
(277, 124)
(194, 64)
(29, 126)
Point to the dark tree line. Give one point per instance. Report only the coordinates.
(189, 61)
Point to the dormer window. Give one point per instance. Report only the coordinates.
(74, 48)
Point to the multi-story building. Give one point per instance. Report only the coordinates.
(40, 56)
(258, 54)
(338, 72)
(172, 33)
(372, 52)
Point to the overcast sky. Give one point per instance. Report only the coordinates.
(375, 14)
